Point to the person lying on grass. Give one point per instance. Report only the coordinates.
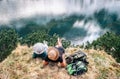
(56, 54)
(40, 50)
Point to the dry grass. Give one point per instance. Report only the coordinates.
(20, 65)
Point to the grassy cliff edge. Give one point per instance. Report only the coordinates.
(20, 65)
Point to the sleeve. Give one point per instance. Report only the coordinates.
(34, 55)
(46, 59)
(60, 60)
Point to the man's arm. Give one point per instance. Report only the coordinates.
(59, 42)
(63, 64)
(45, 63)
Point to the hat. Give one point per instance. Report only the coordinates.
(53, 53)
(39, 48)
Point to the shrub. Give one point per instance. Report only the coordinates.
(110, 42)
(41, 36)
(8, 41)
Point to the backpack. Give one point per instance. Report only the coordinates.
(77, 56)
(77, 63)
(76, 68)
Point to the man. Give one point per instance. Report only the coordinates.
(56, 54)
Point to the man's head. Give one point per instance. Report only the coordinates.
(53, 53)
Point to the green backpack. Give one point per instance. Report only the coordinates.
(77, 68)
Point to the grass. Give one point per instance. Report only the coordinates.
(103, 74)
(20, 65)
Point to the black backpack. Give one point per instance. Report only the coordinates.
(77, 56)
